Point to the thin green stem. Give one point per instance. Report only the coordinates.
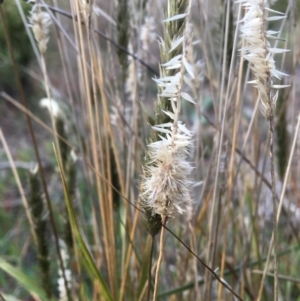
(150, 267)
(161, 249)
(273, 181)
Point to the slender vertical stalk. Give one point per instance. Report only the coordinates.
(161, 249)
(19, 184)
(275, 227)
(260, 56)
(221, 120)
(150, 267)
(287, 173)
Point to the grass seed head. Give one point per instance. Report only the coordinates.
(40, 22)
(259, 53)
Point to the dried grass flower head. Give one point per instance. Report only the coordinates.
(259, 52)
(166, 186)
(40, 22)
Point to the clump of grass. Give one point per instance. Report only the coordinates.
(68, 160)
(229, 223)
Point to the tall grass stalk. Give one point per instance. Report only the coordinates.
(223, 109)
(165, 185)
(260, 55)
(159, 260)
(40, 22)
(220, 111)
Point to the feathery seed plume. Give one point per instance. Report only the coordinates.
(166, 185)
(259, 53)
(40, 22)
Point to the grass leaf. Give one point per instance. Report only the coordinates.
(27, 283)
(9, 298)
(93, 270)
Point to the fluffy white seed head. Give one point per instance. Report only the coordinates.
(40, 22)
(259, 53)
(166, 186)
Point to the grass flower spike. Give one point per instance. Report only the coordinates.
(259, 53)
(166, 184)
(40, 22)
(167, 188)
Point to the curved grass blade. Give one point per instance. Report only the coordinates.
(4, 297)
(26, 282)
(88, 257)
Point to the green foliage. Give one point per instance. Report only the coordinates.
(29, 284)
(90, 264)
(64, 148)
(20, 44)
